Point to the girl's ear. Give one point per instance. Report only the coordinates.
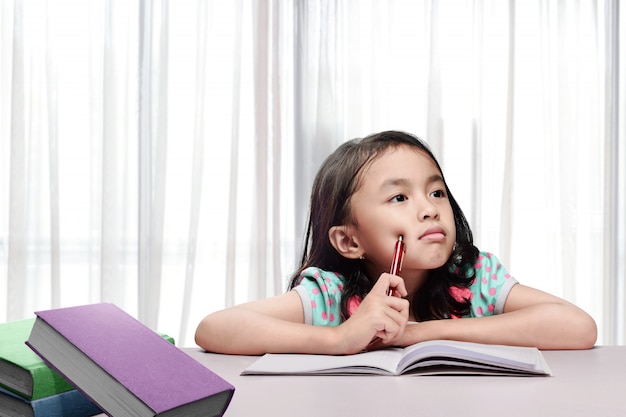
(342, 239)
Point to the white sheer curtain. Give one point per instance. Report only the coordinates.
(69, 150)
(159, 154)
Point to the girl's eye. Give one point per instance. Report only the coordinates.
(438, 194)
(399, 198)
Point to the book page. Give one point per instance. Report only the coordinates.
(512, 357)
(377, 362)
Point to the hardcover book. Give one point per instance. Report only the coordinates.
(125, 367)
(435, 357)
(21, 370)
(70, 403)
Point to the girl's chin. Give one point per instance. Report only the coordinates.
(432, 262)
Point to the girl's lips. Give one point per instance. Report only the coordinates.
(433, 234)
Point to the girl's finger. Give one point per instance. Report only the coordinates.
(388, 282)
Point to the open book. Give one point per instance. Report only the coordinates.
(436, 357)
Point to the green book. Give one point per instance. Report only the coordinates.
(22, 371)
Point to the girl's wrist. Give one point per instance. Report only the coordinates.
(422, 331)
(331, 341)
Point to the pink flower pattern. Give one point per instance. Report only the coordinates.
(325, 289)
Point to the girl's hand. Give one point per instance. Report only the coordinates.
(379, 317)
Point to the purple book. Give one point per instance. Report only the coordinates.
(123, 366)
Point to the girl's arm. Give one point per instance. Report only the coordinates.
(271, 325)
(276, 325)
(531, 318)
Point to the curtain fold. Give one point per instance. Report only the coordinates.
(111, 286)
(159, 155)
(115, 138)
(508, 183)
(235, 117)
(434, 131)
(258, 269)
(17, 250)
(276, 139)
(615, 155)
(319, 112)
(621, 192)
(197, 178)
(51, 105)
(153, 142)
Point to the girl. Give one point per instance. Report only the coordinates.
(342, 299)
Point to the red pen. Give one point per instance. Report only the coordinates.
(396, 264)
(396, 268)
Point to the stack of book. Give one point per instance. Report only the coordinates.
(123, 366)
(29, 387)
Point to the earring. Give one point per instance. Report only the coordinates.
(362, 257)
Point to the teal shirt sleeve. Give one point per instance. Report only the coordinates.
(491, 286)
(320, 292)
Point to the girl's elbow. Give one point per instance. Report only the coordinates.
(589, 333)
(585, 333)
(201, 336)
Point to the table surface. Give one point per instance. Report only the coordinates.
(585, 383)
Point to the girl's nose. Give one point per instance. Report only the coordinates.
(428, 211)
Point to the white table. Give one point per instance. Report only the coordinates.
(585, 383)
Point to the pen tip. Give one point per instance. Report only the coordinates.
(400, 238)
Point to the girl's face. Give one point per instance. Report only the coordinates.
(402, 192)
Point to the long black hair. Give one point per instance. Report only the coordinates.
(337, 180)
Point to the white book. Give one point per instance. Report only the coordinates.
(435, 357)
